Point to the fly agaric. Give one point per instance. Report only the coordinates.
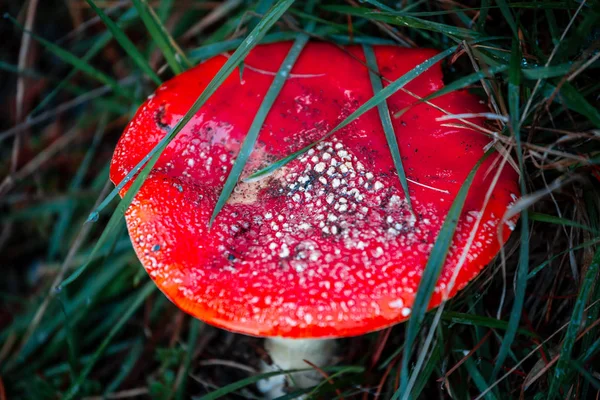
(326, 246)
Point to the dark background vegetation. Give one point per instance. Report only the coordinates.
(110, 334)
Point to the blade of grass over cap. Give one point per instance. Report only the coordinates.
(576, 320)
(211, 50)
(431, 273)
(458, 84)
(386, 122)
(514, 81)
(75, 61)
(127, 45)
(250, 140)
(173, 54)
(152, 157)
(369, 104)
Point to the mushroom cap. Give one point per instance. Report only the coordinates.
(325, 246)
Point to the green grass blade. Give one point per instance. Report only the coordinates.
(552, 71)
(127, 45)
(574, 100)
(583, 29)
(214, 49)
(483, 14)
(262, 6)
(161, 37)
(386, 122)
(259, 119)
(587, 375)
(458, 84)
(211, 50)
(144, 292)
(187, 362)
(543, 265)
(552, 219)
(480, 321)
(66, 214)
(425, 375)
(380, 5)
(78, 63)
(164, 8)
(590, 351)
(127, 365)
(406, 21)
(573, 328)
(98, 45)
(523, 266)
(369, 104)
(431, 273)
(553, 27)
(315, 393)
(73, 353)
(510, 20)
(257, 123)
(474, 373)
(152, 157)
(217, 394)
(478, 378)
(232, 387)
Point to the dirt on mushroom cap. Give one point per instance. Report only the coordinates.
(326, 246)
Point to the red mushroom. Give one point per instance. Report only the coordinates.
(326, 246)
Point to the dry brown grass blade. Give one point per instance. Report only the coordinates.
(531, 353)
(23, 63)
(215, 15)
(326, 377)
(382, 380)
(554, 50)
(39, 160)
(555, 358)
(2, 390)
(466, 357)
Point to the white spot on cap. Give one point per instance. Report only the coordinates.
(378, 252)
(398, 303)
(308, 318)
(285, 251)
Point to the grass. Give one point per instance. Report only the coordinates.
(79, 317)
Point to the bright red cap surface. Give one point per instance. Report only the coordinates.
(326, 246)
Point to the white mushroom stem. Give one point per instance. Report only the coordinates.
(289, 354)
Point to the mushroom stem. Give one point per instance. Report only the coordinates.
(289, 354)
